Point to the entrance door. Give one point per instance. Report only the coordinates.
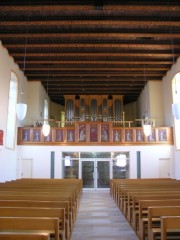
(95, 174)
(26, 168)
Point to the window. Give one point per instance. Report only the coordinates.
(176, 99)
(11, 118)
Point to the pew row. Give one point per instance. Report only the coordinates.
(36, 224)
(24, 236)
(170, 227)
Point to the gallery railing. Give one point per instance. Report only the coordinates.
(94, 133)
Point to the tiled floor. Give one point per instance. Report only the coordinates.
(100, 219)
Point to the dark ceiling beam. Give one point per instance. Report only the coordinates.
(96, 23)
(94, 35)
(89, 46)
(92, 74)
(110, 63)
(38, 69)
(147, 55)
(125, 79)
(123, 7)
(54, 85)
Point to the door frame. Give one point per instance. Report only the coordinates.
(95, 160)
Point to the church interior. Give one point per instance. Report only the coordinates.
(90, 103)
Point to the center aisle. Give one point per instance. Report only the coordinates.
(99, 218)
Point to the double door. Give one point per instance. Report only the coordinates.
(95, 173)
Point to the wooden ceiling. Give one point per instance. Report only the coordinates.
(92, 47)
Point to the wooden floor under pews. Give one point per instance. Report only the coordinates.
(151, 206)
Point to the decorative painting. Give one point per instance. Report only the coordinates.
(59, 135)
(82, 133)
(104, 133)
(48, 138)
(116, 135)
(70, 135)
(139, 135)
(36, 135)
(128, 135)
(26, 135)
(162, 135)
(93, 133)
(152, 137)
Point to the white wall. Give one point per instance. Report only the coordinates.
(156, 102)
(7, 156)
(35, 101)
(168, 100)
(149, 158)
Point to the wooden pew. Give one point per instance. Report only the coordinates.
(154, 219)
(45, 196)
(170, 224)
(36, 212)
(37, 224)
(24, 236)
(140, 215)
(43, 204)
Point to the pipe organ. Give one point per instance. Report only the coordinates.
(94, 108)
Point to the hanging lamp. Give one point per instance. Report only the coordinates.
(146, 123)
(21, 107)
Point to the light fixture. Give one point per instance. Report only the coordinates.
(146, 123)
(147, 127)
(121, 160)
(21, 108)
(46, 128)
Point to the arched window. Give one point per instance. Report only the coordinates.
(11, 118)
(176, 99)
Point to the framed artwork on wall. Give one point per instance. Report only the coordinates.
(104, 133)
(26, 135)
(162, 135)
(70, 135)
(116, 135)
(59, 135)
(152, 137)
(139, 135)
(48, 138)
(82, 133)
(93, 133)
(36, 135)
(128, 135)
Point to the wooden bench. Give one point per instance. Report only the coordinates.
(154, 219)
(43, 204)
(24, 236)
(36, 212)
(141, 211)
(170, 224)
(37, 224)
(42, 197)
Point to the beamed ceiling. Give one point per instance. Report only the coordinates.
(92, 47)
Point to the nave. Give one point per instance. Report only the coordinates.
(99, 218)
